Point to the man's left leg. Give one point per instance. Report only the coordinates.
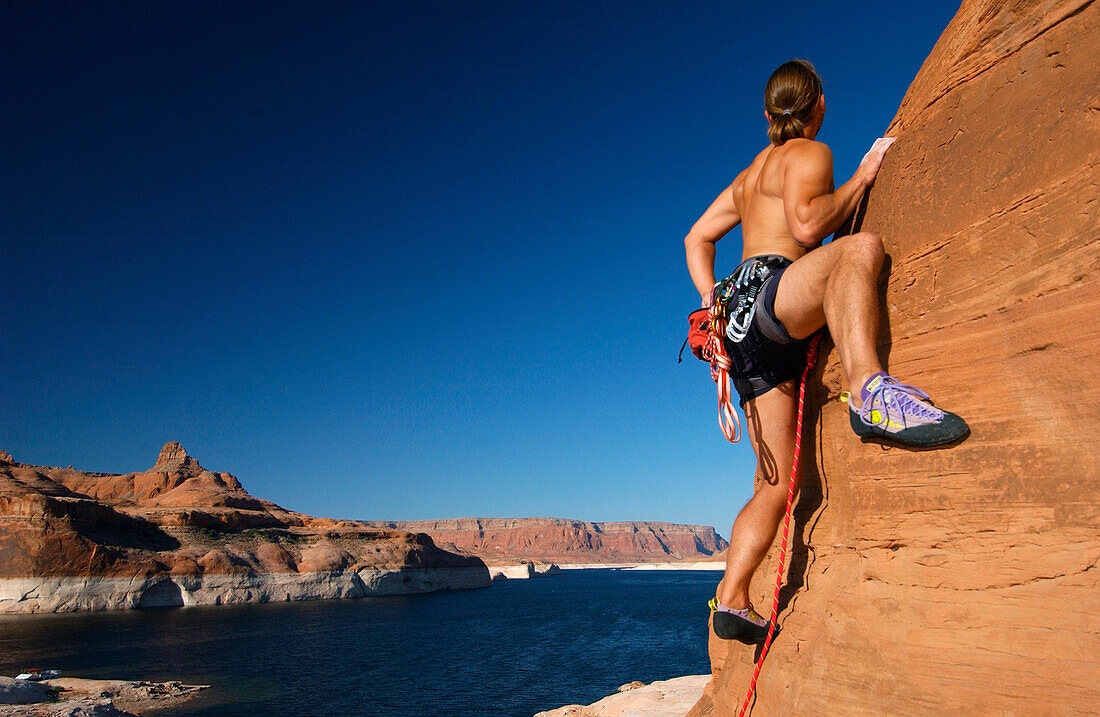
(836, 285)
(771, 421)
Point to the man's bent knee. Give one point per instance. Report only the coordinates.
(865, 246)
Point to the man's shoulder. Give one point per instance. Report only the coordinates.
(806, 157)
(806, 148)
(757, 163)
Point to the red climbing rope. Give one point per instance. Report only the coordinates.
(811, 359)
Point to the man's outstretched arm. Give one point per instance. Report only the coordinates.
(716, 222)
(813, 210)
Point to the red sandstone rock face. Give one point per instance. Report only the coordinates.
(964, 580)
(510, 540)
(179, 519)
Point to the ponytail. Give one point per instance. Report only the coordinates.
(789, 98)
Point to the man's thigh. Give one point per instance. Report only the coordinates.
(800, 296)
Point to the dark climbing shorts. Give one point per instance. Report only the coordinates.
(763, 354)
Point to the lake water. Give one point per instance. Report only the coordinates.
(515, 648)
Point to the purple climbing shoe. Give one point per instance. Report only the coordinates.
(741, 625)
(903, 413)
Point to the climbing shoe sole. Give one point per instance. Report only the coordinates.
(731, 627)
(949, 430)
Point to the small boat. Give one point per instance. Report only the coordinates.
(35, 674)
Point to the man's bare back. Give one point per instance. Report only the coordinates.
(758, 196)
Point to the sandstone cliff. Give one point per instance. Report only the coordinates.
(964, 580)
(510, 540)
(179, 534)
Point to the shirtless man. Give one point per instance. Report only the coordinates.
(786, 205)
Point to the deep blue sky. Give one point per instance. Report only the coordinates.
(402, 260)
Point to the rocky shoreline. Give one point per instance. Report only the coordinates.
(522, 571)
(75, 697)
(694, 565)
(78, 594)
(72, 594)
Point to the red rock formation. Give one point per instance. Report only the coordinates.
(510, 540)
(188, 530)
(964, 580)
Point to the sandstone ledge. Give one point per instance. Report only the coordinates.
(72, 594)
(667, 698)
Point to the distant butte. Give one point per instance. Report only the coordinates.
(172, 457)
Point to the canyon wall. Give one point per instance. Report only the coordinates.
(178, 534)
(963, 580)
(509, 540)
